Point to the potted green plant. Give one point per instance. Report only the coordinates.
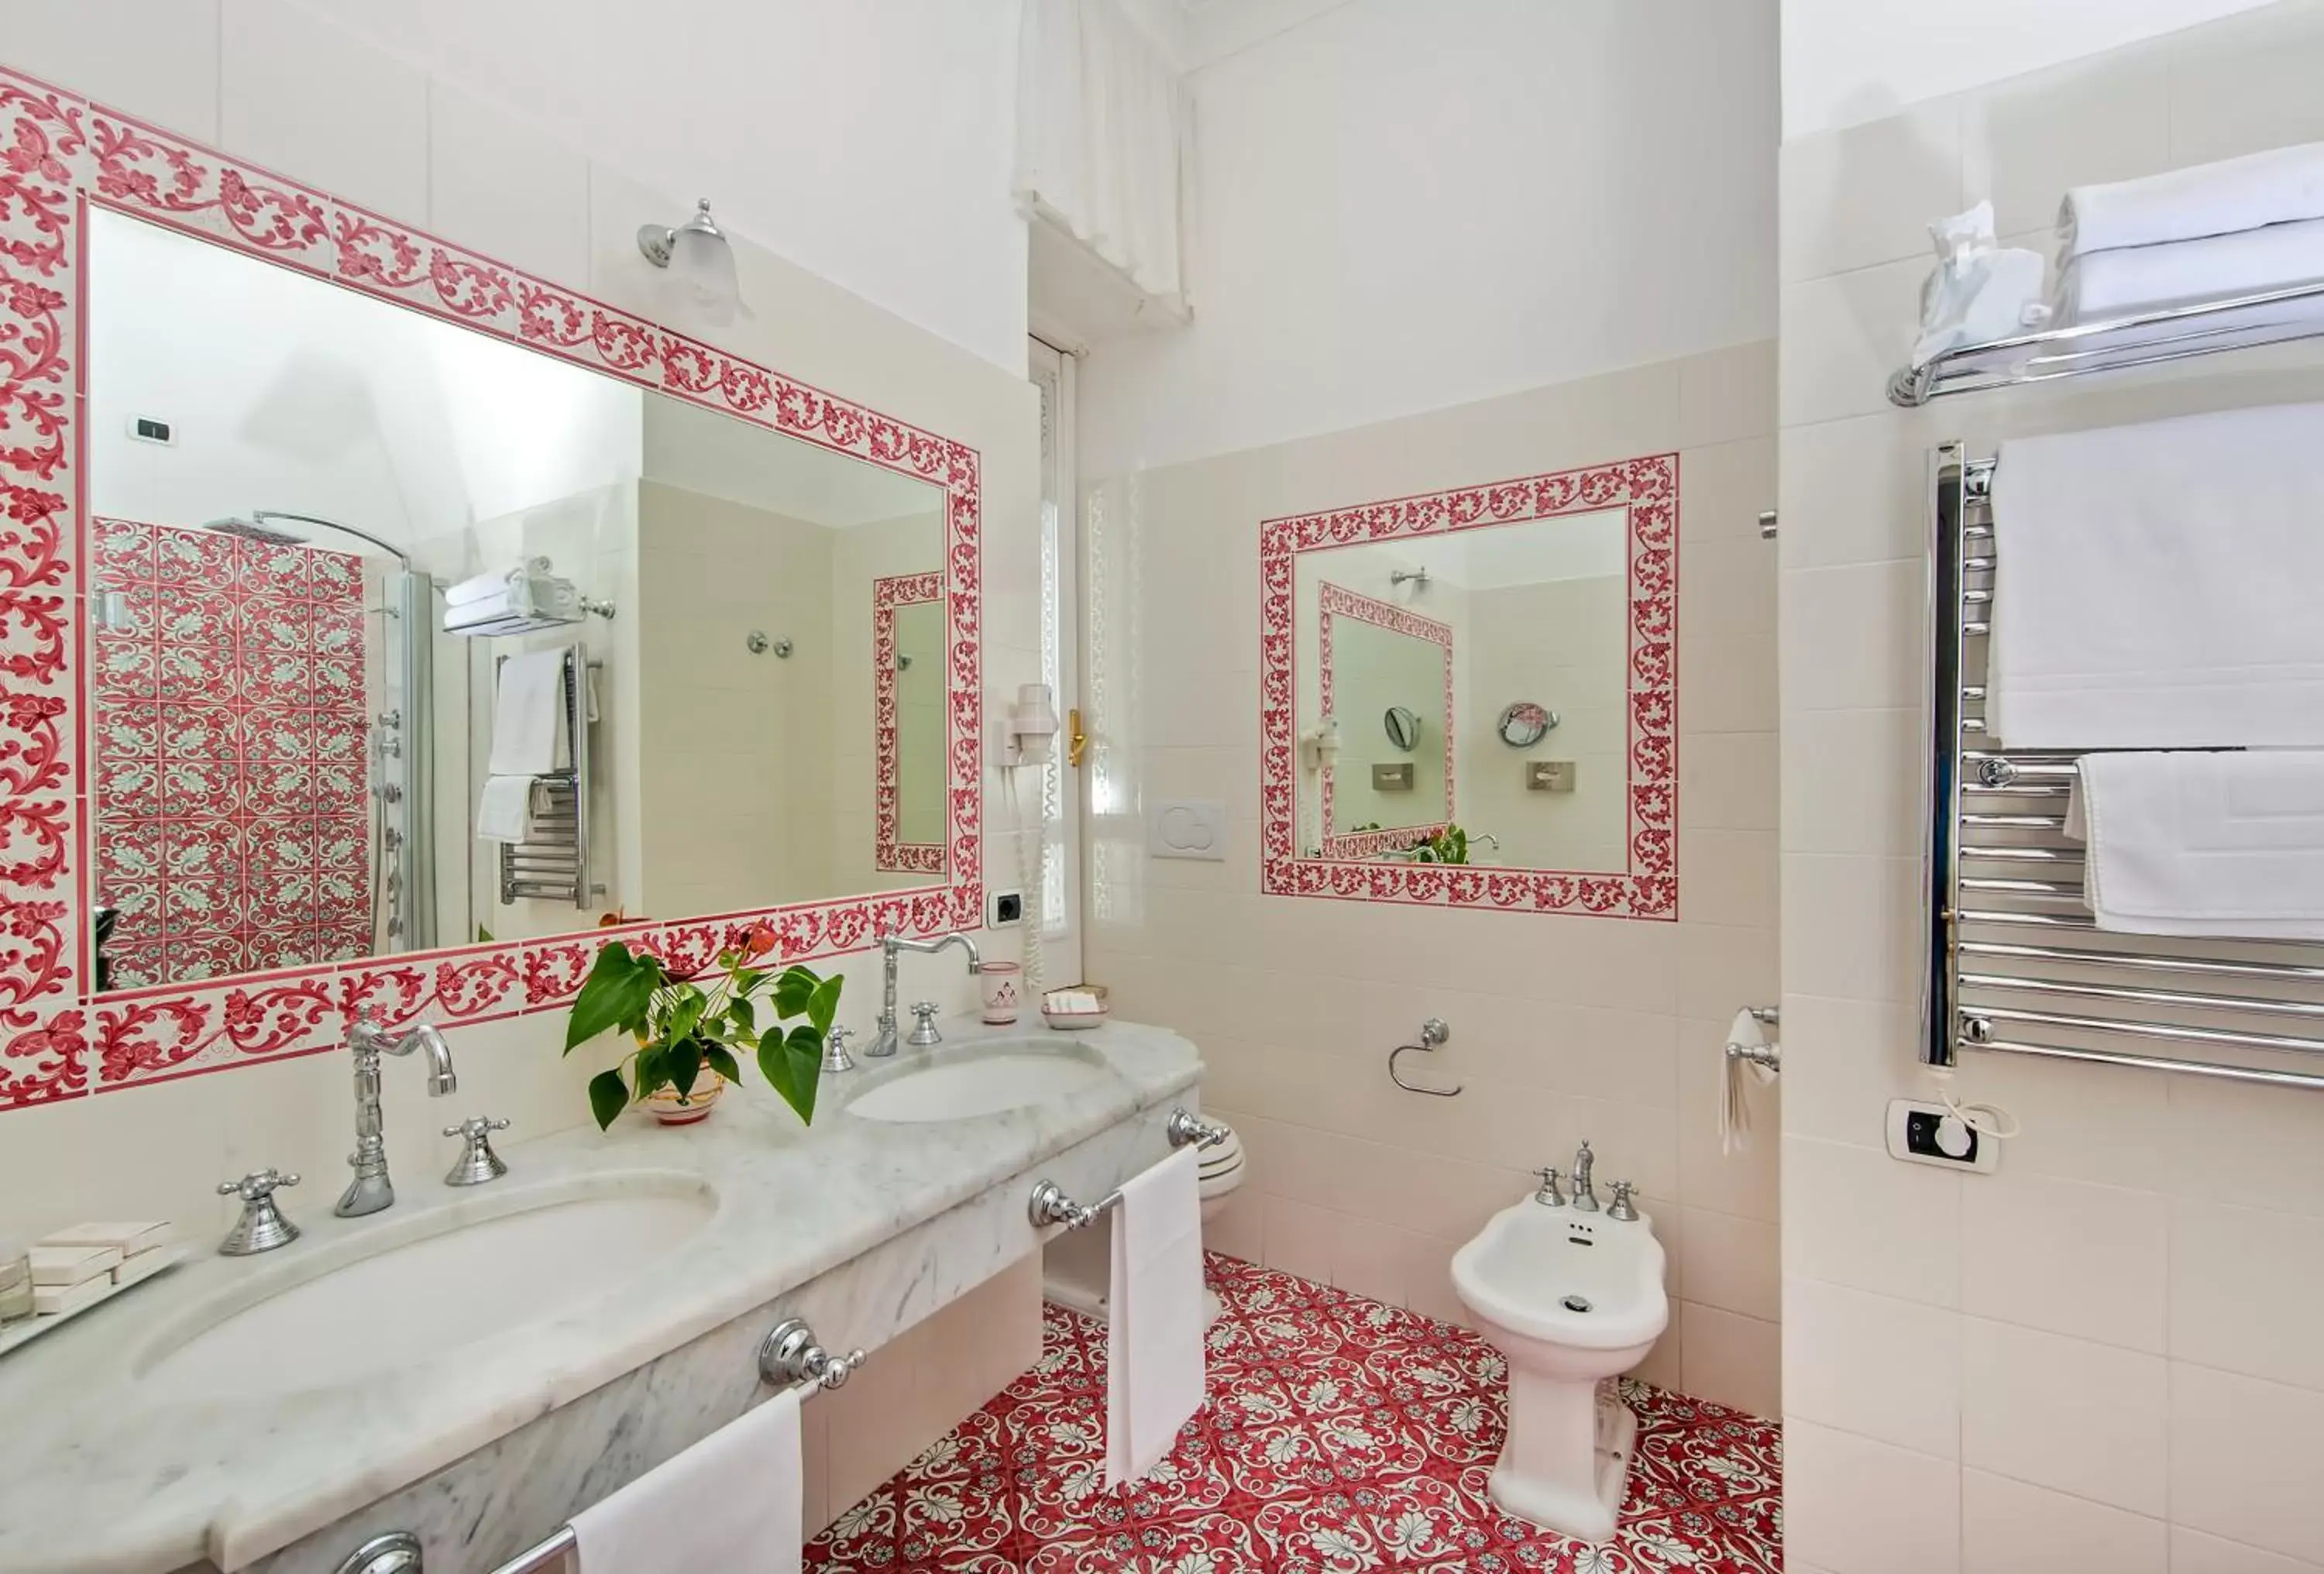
(686, 1029)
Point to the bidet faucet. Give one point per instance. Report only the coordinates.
(371, 1189)
(1585, 1200)
(884, 1043)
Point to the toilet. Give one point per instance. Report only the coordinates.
(1572, 1299)
(1077, 1265)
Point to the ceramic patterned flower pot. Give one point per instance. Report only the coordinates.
(663, 1103)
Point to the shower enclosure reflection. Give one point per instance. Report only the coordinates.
(343, 557)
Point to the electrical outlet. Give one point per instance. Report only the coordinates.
(1931, 1134)
(1008, 907)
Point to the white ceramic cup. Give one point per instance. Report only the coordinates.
(1003, 985)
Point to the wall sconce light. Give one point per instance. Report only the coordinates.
(1031, 726)
(700, 262)
(1319, 745)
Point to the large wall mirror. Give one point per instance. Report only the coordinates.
(407, 637)
(1468, 696)
(382, 626)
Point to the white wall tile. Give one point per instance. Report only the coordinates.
(1724, 396)
(1874, 1366)
(2027, 139)
(2009, 1527)
(1843, 1060)
(506, 187)
(1852, 926)
(1854, 1216)
(157, 60)
(1733, 1263)
(2245, 1287)
(1731, 1359)
(2242, 1460)
(1843, 335)
(1851, 636)
(2193, 1552)
(1852, 781)
(303, 97)
(2246, 84)
(1865, 195)
(2088, 1261)
(1856, 1507)
(2081, 1418)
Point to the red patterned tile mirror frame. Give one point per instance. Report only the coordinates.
(59, 155)
(1646, 489)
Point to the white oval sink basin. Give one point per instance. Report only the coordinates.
(981, 1082)
(424, 1292)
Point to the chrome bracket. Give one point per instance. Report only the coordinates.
(396, 1552)
(789, 1355)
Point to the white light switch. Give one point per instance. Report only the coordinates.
(1188, 828)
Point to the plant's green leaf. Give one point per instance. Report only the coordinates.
(793, 990)
(652, 1068)
(745, 1015)
(608, 1097)
(748, 981)
(484, 935)
(720, 1059)
(823, 1005)
(684, 1062)
(683, 1014)
(792, 1063)
(615, 994)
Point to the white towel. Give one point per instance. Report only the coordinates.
(522, 605)
(2157, 585)
(495, 583)
(2136, 279)
(530, 734)
(2203, 843)
(730, 1502)
(2280, 186)
(1154, 1350)
(504, 808)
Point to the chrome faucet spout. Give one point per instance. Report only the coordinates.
(371, 1189)
(884, 1042)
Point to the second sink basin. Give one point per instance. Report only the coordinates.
(982, 1079)
(408, 1294)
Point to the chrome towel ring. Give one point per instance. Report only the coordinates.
(1433, 1033)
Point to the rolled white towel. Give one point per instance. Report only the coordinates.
(2098, 285)
(2280, 186)
(498, 582)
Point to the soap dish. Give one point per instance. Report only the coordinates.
(1068, 1021)
(93, 1291)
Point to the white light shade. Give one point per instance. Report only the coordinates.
(702, 270)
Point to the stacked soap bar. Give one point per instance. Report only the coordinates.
(89, 1262)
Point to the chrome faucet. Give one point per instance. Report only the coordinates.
(371, 1189)
(1585, 1200)
(884, 1043)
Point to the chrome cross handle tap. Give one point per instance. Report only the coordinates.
(371, 1189)
(1549, 1196)
(1585, 1199)
(892, 946)
(1622, 1207)
(923, 1025)
(478, 1162)
(262, 1227)
(835, 1057)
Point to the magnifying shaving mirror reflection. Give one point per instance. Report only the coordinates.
(402, 635)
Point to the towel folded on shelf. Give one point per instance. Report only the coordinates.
(495, 583)
(2157, 585)
(1154, 1310)
(2280, 186)
(526, 602)
(2228, 844)
(2121, 283)
(732, 1502)
(531, 735)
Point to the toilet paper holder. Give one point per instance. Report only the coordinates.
(1770, 1055)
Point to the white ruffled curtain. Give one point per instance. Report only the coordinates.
(1101, 141)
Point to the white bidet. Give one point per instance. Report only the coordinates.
(1571, 1299)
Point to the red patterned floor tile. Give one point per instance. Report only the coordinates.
(1341, 1435)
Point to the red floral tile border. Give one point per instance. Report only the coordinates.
(58, 153)
(1646, 489)
(891, 851)
(1338, 600)
(1339, 1435)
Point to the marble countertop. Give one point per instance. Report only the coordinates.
(102, 1473)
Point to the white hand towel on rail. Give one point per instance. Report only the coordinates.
(496, 583)
(730, 1502)
(530, 735)
(2121, 283)
(2156, 584)
(2280, 186)
(1154, 1308)
(504, 808)
(2203, 843)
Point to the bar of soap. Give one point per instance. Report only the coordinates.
(54, 1299)
(61, 1266)
(144, 1265)
(129, 1239)
(1071, 1000)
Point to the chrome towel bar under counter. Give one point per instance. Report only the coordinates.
(789, 1357)
(1049, 1204)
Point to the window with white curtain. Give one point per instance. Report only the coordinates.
(1102, 142)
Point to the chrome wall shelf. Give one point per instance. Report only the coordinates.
(2011, 960)
(2241, 322)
